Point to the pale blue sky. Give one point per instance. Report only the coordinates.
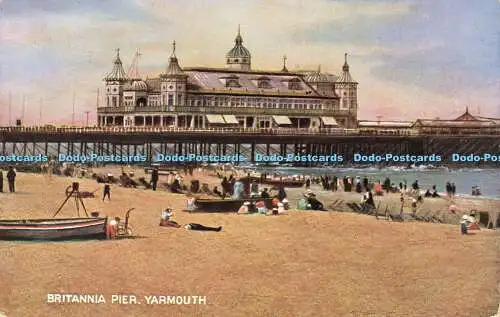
(411, 58)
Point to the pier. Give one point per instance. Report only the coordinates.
(150, 141)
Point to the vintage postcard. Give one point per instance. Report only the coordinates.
(249, 158)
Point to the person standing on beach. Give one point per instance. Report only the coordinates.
(1, 181)
(11, 178)
(154, 178)
(107, 191)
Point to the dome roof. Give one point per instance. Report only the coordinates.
(139, 85)
(317, 77)
(238, 51)
(136, 85)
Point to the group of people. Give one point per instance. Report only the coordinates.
(278, 207)
(468, 222)
(450, 189)
(11, 180)
(433, 193)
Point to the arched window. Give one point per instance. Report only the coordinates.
(264, 84)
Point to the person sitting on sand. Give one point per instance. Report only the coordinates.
(244, 208)
(112, 228)
(176, 187)
(165, 220)
(272, 212)
(190, 203)
(218, 193)
(261, 207)
(286, 204)
(264, 194)
(464, 223)
(473, 223)
(281, 208)
(314, 204)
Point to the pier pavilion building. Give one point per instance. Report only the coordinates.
(234, 96)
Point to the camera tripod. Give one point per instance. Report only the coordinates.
(73, 191)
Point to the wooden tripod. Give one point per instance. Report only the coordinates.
(73, 191)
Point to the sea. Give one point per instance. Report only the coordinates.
(488, 180)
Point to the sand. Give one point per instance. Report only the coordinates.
(301, 264)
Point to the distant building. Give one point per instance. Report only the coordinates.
(201, 97)
(464, 124)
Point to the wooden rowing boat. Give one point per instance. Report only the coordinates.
(276, 181)
(226, 205)
(53, 229)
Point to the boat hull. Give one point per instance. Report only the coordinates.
(226, 205)
(275, 182)
(53, 229)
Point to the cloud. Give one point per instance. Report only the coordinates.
(123, 9)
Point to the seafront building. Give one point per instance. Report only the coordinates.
(234, 96)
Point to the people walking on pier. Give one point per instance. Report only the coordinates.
(154, 178)
(308, 183)
(107, 191)
(1, 181)
(11, 179)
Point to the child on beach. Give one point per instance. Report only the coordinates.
(107, 191)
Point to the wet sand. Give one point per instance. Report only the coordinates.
(301, 264)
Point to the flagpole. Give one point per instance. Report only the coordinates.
(73, 115)
(23, 108)
(40, 114)
(10, 108)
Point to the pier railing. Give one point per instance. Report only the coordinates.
(243, 131)
(200, 110)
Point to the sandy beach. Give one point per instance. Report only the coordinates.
(300, 264)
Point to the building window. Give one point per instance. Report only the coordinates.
(264, 84)
(233, 83)
(294, 84)
(115, 102)
(170, 100)
(170, 87)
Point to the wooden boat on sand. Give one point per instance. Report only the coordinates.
(226, 205)
(286, 182)
(53, 229)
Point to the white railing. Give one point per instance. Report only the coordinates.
(259, 131)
